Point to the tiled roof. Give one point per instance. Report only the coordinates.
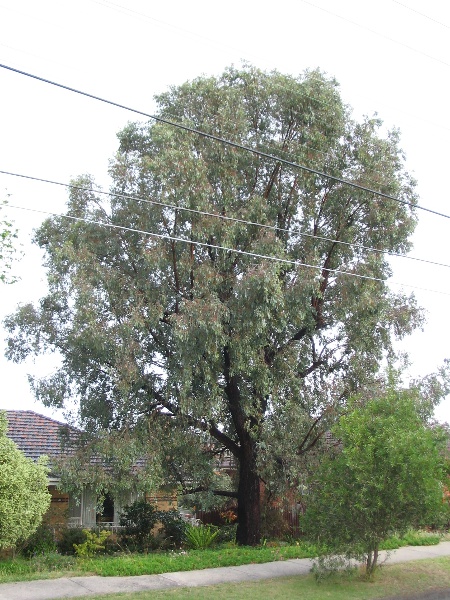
(35, 434)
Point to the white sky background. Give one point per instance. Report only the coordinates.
(387, 57)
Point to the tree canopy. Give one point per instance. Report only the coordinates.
(247, 299)
(24, 497)
(385, 477)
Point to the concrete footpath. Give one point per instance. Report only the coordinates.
(77, 587)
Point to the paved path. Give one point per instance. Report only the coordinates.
(78, 587)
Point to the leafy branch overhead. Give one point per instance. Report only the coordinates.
(198, 348)
(8, 235)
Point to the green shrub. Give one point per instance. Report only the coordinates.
(227, 533)
(411, 538)
(173, 528)
(94, 543)
(421, 538)
(24, 496)
(201, 537)
(138, 521)
(41, 542)
(384, 479)
(69, 537)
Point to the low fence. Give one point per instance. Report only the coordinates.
(278, 522)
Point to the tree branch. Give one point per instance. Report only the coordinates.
(204, 488)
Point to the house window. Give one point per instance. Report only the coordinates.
(107, 513)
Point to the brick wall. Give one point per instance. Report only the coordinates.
(163, 499)
(59, 507)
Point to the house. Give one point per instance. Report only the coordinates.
(36, 435)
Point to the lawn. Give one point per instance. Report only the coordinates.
(391, 580)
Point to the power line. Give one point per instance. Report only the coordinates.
(305, 145)
(422, 14)
(443, 62)
(226, 249)
(227, 142)
(136, 14)
(223, 217)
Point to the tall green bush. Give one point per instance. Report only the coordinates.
(24, 497)
(385, 477)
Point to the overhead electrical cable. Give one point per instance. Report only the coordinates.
(175, 207)
(421, 14)
(225, 141)
(305, 145)
(136, 14)
(383, 35)
(172, 238)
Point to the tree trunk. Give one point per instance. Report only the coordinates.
(371, 563)
(249, 500)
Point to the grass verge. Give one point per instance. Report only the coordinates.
(392, 580)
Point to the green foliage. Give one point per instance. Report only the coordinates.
(411, 538)
(44, 566)
(173, 527)
(191, 349)
(42, 541)
(7, 250)
(227, 533)
(24, 497)
(131, 464)
(386, 477)
(94, 543)
(200, 537)
(147, 564)
(138, 521)
(68, 538)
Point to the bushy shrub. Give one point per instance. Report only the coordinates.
(41, 542)
(24, 497)
(385, 478)
(227, 533)
(68, 537)
(93, 544)
(138, 521)
(173, 528)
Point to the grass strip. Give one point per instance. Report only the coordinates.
(54, 565)
(392, 580)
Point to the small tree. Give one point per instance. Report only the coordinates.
(24, 497)
(385, 476)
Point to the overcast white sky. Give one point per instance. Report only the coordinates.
(390, 57)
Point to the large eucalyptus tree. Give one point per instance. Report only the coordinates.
(191, 327)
